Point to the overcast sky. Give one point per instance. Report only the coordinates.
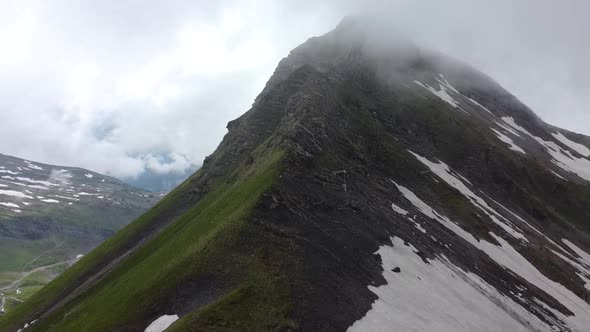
(118, 86)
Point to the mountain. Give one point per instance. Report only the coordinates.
(373, 185)
(50, 216)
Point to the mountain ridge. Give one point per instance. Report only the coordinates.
(339, 159)
(51, 215)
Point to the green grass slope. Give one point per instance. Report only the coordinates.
(195, 242)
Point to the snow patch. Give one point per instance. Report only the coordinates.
(14, 194)
(584, 256)
(508, 141)
(444, 172)
(565, 160)
(45, 183)
(162, 323)
(559, 176)
(561, 157)
(85, 194)
(49, 200)
(480, 105)
(33, 166)
(510, 121)
(442, 93)
(437, 296)
(12, 205)
(399, 210)
(88, 175)
(508, 129)
(505, 255)
(579, 148)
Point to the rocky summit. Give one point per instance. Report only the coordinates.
(50, 216)
(372, 186)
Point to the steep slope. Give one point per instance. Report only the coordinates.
(50, 215)
(371, 186)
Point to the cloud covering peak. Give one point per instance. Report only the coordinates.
(125, 87)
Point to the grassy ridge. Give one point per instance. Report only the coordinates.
(190, 245)
(56, 288)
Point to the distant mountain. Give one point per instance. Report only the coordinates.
(372, 186)
(51, 215)
(157, 182)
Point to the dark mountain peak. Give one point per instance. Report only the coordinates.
(369, 187)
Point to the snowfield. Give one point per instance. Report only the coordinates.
(507, 256)
(162, 323)
(438, 296)
(579, 148)
(509, 141)
(562, 158)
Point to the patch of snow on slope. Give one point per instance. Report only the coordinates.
(88, 175)
(583, 270)
(45, 183)
(437, 297)
(399, 210)
(444, 172)
(480, 105)
(66, 197)
(33, 166)
(162, 323)
(14, 193)
(505, 255)
(507, 128)
(584, 256)
(442, 94)
(528, 224)
(510, 121)
(5, 171)
(559, 176)
(12, 205)
(579, 148)
(565, 160)
(49, 200)
(508, 141)
(561, 157)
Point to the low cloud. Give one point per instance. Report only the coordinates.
(125, 87)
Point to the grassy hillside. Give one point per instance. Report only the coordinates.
(196, 241)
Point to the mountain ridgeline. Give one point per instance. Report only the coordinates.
(50, 216)
(373, 185)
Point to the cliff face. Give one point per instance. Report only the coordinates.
(372, 185)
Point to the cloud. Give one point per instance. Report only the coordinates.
(125, 87)
(171, 163)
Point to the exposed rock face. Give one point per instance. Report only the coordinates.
(372, 185)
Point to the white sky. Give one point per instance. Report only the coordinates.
(121, 86)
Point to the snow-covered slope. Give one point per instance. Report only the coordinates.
(27, 186)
